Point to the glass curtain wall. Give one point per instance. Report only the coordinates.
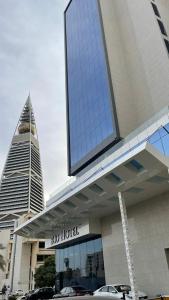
(160, 139)
(90, 101)
(81, 264)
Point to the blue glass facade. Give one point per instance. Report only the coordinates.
(90, 103)
(160, 140)
(81, 264)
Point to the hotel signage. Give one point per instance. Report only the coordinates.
(73, 232)
(64, 235)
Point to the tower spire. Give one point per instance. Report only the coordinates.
(27, 119)
(21, 187)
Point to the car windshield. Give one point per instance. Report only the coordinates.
(123, 288)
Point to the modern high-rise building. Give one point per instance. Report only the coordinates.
(112, 56)
(21, 197)
(21, 187)
(111, 223)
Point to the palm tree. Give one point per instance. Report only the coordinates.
(2, 261)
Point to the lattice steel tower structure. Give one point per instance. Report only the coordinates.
(21, 186)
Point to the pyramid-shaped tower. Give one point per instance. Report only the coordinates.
(21, 187)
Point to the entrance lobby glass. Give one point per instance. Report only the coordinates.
(81, 264)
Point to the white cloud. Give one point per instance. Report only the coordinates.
(32, 59)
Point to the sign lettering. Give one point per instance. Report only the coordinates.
(65, 234)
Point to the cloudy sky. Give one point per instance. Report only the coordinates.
(32, 59)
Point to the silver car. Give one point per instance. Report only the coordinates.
(117, 291)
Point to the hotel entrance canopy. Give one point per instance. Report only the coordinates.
(139, 174)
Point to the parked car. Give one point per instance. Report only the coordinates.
(88, 297)
(76, 290)
(21, 298)
(18, 292)
(28, 294)
(41, 293)
(117, 291)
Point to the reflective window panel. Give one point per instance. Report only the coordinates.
(90, 102)
(160, 140)
(81, 264)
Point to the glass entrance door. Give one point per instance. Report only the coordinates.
(81, 264)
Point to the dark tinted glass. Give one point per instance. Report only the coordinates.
(77, 256)
(155, 9)
(40, 258)
(78, 288)
(88, 272)
(167, 44)
(162, 28)
(91, 119)
(41, 244)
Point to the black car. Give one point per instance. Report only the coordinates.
(27, 295)
(41, 293)
(76, 290)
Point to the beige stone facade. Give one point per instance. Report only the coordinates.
(22, 256)
(149, 232)
(138, 59)
(6, 252)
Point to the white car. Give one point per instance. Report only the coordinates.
(117, 291)
(18, 292)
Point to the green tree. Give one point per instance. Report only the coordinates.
(2, 262)
(45, 275)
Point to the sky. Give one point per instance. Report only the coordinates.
(32, 60)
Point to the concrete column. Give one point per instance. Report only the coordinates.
(13, 257)
(128, 247)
